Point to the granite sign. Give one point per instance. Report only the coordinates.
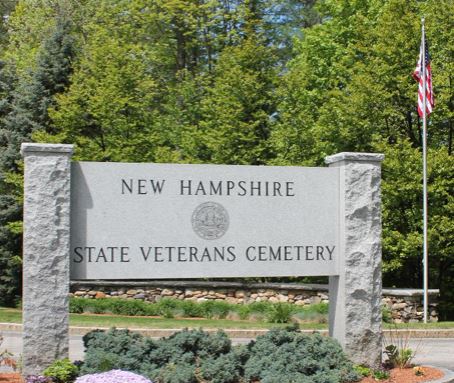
(192, 221)
(140, 221)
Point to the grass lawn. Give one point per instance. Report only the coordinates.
(8, 315)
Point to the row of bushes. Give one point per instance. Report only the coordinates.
(191, 356)
(171, 308)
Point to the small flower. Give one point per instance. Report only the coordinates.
(113, 376)
(418, 370)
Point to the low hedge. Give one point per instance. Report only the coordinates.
(170, 308)
(191, 356)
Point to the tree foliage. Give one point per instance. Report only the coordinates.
(24, 107)
(282, 82)
(349, 88)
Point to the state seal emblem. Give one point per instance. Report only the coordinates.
(210, 220)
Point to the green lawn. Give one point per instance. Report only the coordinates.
(8, 315)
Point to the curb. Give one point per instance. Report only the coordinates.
(159, 333)
(447, 378)
(244, 333)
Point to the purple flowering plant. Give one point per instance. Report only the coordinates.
(113, 376)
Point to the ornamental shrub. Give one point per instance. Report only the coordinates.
(62, 371)
(286, 355)
(115, 349)
(192, 356)
(171, 360)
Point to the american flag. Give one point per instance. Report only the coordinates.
(418, 76)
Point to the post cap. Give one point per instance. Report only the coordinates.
(354, 156)
(28, 148)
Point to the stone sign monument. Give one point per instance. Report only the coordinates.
(88, 220)
(147, 221)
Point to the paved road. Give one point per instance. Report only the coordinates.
(432, 351)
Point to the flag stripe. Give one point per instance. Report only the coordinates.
(418, 76)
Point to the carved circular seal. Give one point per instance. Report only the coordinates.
(210, 220)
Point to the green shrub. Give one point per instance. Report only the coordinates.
(362, 370)
(191, 356)
(285, 356)
(177, 373)
(170, 308)
(175, 359)
(77, 305)
(115, 349)
(98, 306)
(280, 313)
(190, 309)
(259, 307)
(399, 356)
(62, 371)
(386, 314)
(315, 313)
(380, 374)
(167, 307)
(243, 311)
(224, 369)
(215, 309)
(132, 307)
(319, 308)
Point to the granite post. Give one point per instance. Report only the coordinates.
(355, 294)
(46, 255)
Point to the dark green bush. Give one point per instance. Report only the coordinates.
(115, 349)
(191, 356)
(287, 356)
(224, 369)
(171, 360)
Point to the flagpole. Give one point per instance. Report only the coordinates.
(424, 156)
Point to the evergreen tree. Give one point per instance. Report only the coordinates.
(6, 7)
(25, 111)
(10, 210)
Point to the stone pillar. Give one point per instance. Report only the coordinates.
(46, 255)
(355, 294)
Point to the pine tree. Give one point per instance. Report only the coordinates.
(25, 110)
(10, 210)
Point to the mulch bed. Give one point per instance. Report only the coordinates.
(406, 375)
(11, 378)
